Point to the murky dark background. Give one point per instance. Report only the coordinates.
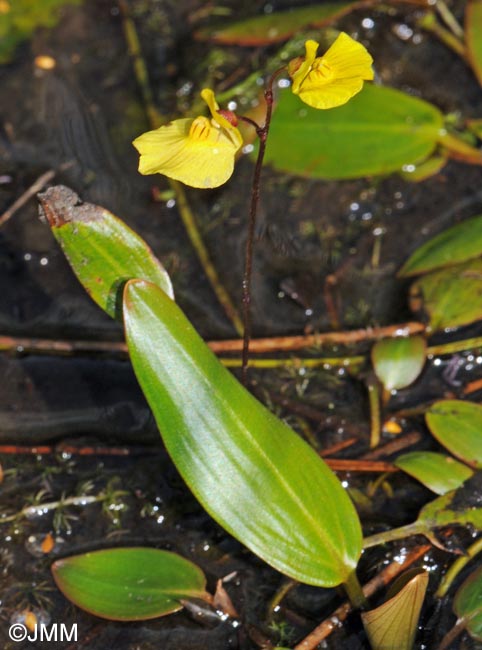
(87, 110)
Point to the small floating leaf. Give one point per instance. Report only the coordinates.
(393, 625)
(103, 252)
(450, 297)
(399, 361)
(468, 604)
(250, 471)
(439, 473)
(457, 425)
(129, 584)
(458, 244)
(352, 141)
(473, 36)
(276, 26)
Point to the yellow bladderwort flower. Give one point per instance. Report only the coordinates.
(197, 151)
(332, 79)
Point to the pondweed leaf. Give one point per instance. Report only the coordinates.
(277, 26)
(250, 471)
(354, 140)
(393, 625)
(453, 246)
(439, 473)
(398, 362)
(129, 584)
(473, 36)
(103, 252)
(468, 604)
(461, 506)
(457, 425)
(450, 297)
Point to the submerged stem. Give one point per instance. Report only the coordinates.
(416, 528)
(354, 592)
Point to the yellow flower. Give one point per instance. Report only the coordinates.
(197, 151)
(331, 80)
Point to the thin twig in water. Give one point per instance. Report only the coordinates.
(36, 187)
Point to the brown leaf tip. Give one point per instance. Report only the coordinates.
(57, 204)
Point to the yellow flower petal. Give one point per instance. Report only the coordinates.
(208, 96)
(196, 151)
(333, 79)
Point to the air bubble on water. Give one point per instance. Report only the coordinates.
(368, 23)
(232, 105)
(404, 32)
(44, 261)
(284, 83)
(185, 89)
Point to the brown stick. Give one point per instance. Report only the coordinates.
(394, 446)
(36, 187)
(339, 446)
(288, 343)
(72, 449)
(330, 624)
(354, 465)
(24, 344)
(275, 344)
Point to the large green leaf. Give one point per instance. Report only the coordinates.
(468, 603)
(439, 473)
(457, 425)
(458, 244)
(473, 36)
(379, 131)
(276, 26)
(398, 362)
(450, 297)
(129, 584)
(250, 471)
(103, 252)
